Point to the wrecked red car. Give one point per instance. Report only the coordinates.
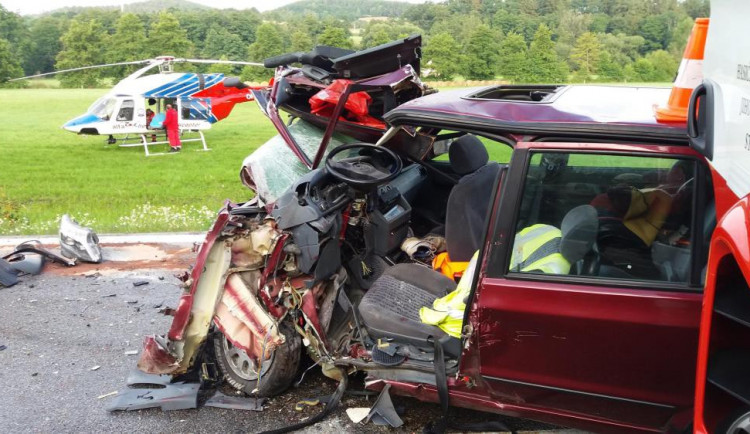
(575, 224)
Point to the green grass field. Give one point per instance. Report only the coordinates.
(46, 172)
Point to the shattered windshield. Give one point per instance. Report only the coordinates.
(274, 167)
(103, 107)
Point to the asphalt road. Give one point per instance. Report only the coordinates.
(58, 328)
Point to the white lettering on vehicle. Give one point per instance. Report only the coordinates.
(744, 106)
(743, 72)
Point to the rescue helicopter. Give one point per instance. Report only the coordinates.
(135, 107)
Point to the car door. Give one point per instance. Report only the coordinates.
(612, 338)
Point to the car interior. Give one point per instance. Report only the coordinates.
(619, 217)
(604, 216)
(641, 212)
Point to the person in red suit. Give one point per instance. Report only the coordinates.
(173, 129)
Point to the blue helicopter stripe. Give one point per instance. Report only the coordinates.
(178, 83)
(191, 86)
(178, 90)
(186, 90)
(158, 90)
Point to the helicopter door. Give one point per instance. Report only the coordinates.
(195, 109)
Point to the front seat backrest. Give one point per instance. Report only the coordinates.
(470, 199)
(579, 229)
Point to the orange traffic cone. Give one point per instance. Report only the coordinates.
(689, 75)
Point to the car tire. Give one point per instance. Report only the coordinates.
(277, 373)
(737, 422)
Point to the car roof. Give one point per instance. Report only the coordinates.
(578, 111)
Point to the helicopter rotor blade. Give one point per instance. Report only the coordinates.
(81, 68)
(214, 61)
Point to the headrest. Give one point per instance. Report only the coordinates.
(467, 154)
(579, 229)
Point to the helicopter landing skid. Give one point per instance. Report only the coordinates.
(147, 140)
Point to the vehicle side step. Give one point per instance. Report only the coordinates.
(728, 371)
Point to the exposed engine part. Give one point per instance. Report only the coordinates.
(355, 214)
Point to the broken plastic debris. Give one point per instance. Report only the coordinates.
(25, 263)
(140, 282)
(131, 352)
(383, 412)
(34, 246)
(8, 276)
(79, 242)
(106, 395)
(177, 396)
(95, 368)
(357, 414)
(220, 400)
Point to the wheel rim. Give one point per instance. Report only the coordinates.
(241, 364)
(740, 425)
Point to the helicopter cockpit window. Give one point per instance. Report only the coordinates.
(126, 110)
(103, 108)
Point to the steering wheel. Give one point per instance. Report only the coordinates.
(369, 166)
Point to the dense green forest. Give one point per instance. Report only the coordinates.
(513, 40)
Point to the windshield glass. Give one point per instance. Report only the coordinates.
(273, 168)
(103, 107)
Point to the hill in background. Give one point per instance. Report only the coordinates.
(144, 7)
(342, 9)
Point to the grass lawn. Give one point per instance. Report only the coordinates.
(46, 172)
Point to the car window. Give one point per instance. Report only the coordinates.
(497, 151)
(605, 216)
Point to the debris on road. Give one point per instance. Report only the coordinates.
(140, 283)
(107, 395)
(34, 246)
(2, 347)
(176, 396)
(8, 277)
(95, 368)
(383, 412)
(31, 264)
(131, 353)
(221, 400)
(79, 242)
(301, 405)
(357, 414)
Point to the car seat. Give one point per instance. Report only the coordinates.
(470, 199)
(630, 219)
(390, 309)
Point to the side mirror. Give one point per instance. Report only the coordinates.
(700, 127)
(234, 82)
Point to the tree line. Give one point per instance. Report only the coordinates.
(515, 40)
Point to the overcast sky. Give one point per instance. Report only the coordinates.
(27, 7)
